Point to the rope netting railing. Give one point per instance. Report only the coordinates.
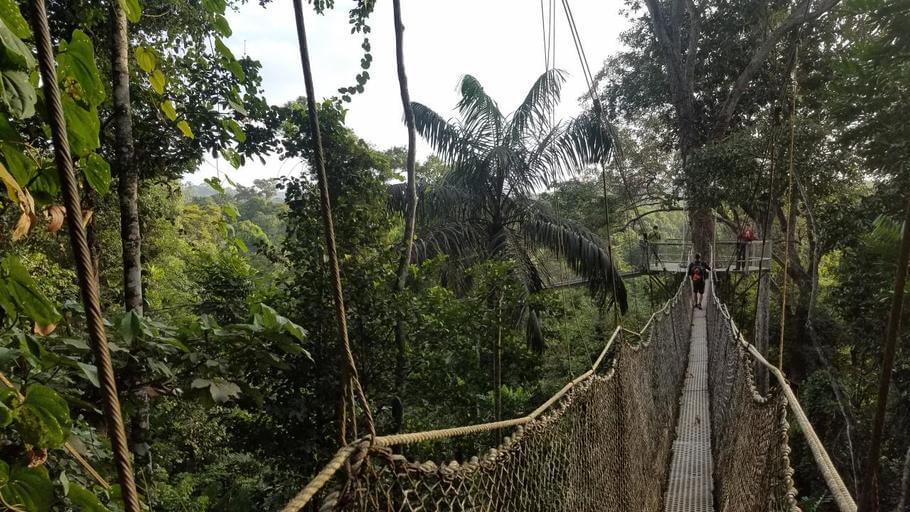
(750, 432)
(603, 442)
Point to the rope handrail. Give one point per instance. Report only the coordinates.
(345, 453)
(833, 480)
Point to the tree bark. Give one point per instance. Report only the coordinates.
(409, 221)
(869, 501)
(128, 186)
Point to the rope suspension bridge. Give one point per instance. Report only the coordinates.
(668, 418)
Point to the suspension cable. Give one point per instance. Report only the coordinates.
(350, 378)
(85, 265)
(789, 226)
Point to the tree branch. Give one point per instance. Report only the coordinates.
(643, 215)
(798, 16)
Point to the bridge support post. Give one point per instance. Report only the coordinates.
(762, 321)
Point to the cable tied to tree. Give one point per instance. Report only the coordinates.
(85, 268)
(350, 377)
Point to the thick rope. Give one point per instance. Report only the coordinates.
(835, 483)
(349, 374)
(85, 269)
(345, 453)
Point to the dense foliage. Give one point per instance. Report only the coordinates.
(229, 370)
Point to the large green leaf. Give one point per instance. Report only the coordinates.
(28, 489)
(12, 16)
(17, 163)
(235, 129)
(77, 62)
(131, 326)
(85, 500)
(132, 8)
(24, 293)
(82, 127)
(18, 94)
(169, 111)
(14, 54)
(97, 172)
(44, 420)
(222, 26)
(158, 80)
(146, 58)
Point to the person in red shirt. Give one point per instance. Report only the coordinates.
(746, 235)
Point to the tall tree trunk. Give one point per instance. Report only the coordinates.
(409, 221)
(128, 187)
(130, 236)
(869, 493)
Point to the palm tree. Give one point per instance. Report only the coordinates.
(484, 207)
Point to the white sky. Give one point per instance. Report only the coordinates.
(497, 41)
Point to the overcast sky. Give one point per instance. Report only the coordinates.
(497, 41)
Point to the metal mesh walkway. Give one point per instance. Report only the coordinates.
(691, 487)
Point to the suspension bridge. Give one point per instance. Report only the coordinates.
(669, 418)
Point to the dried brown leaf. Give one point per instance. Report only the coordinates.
(54, 214)
(44, 330)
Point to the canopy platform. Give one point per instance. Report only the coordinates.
(674, 255)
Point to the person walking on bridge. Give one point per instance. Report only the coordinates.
(698, 273)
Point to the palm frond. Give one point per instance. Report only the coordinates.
(534, 112)
(461, 242)
(444, 137)
(480, 113)
(583, 252)
(581, 142)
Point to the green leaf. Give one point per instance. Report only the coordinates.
(131, 326)
(132, 9)
(6, 414)
(231, 156)
(235, 129)
(222, 26)
(215, 183)
(64, 482)
(44, 420)
(223, 390)
(18, 94)
(77, 62)
(85, 500)
(12, 16)
(236, 70)
(214, 6)
(91, 373)
(146, 58)
(4, 473)
(230, 211)
(223, 50)
(28, 488)
(17, 163)
(14, 54)
(169, 111)
(158, 80)
(24, 293)
(185, 129)
(97, 173)
(82, 127)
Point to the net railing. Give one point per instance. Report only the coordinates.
(602, 443)
(750, 432)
